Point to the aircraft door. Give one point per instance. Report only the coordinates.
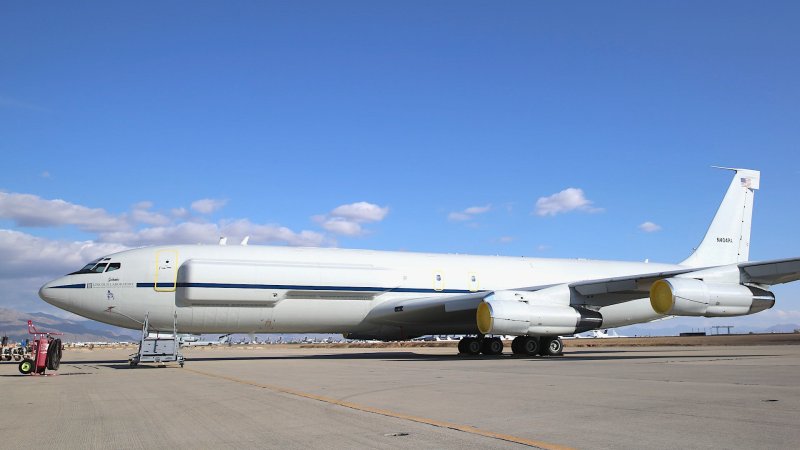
(166, 270)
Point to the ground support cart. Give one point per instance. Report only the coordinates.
(46, 352)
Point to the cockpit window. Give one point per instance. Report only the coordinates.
(113, 266)
(95, 266)
(87, 268)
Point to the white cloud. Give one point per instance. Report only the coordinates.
(650, 227)
(209, 233)
(179, 213)
(33, 211)
(468, 214)
(338, 225)
(141, 214)
(505, 239)
(361, 212)
(346, 220)
(27, 256)
(182, 233)
(208, 205)
(271, 234)
(45, 174)
(570, 199)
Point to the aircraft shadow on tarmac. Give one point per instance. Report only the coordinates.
(610, 355)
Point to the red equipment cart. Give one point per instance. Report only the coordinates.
(46, 352)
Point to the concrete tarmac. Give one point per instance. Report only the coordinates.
(656, 397)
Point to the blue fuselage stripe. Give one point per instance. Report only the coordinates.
(70, 286)
(290, 287)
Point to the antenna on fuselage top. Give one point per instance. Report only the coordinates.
(245, 240)
(223, 240)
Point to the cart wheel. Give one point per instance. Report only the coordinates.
(134, 363)
(181, 363)
(26, 366)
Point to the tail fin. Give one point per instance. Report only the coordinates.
(727, 240)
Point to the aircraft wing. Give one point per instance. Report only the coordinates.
(610, 291)
(776, 271)
(460, 308)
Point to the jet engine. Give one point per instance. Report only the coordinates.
(692, 297)
(520, 318)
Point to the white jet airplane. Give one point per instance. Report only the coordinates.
(371, 295)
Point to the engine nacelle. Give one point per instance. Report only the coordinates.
(692, 297)
(519, 318)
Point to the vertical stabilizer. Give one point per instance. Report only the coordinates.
(727, 240)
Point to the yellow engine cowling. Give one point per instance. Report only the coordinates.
(692, 297)
(519, 318)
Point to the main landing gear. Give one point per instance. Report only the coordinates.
(521, 345)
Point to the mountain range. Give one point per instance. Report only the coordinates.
(14, 324)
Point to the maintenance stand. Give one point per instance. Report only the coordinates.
(158, 349)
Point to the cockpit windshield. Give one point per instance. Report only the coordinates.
(99, 265)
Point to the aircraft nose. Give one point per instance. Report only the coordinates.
(55, 296)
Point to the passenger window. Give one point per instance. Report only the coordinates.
(99, 268)
(113, 266)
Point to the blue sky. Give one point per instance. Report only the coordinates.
(276, 114)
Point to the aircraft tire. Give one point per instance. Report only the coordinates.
(529, 345)
(515, 349)
(472, 346)
(462, 348)
(552, 346)
(492, 346)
